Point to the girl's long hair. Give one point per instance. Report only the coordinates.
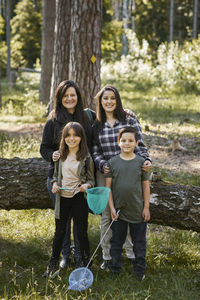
(60, 112)
(119, 112)
(79, 131)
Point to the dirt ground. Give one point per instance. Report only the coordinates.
(186, 159)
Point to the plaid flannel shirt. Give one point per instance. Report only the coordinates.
(107, 145)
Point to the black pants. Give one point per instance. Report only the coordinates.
(138, 236)
(78, 208)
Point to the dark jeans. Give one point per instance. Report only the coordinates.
(66, 248)
(78, 208)
(138, 236)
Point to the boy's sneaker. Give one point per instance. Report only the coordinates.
(65, 262)
(104, 265)
(52, 269)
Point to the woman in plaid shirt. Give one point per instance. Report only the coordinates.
(111, 117)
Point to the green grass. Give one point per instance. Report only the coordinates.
(20, 104)
(173, 260)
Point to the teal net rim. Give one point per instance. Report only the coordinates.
(100, 189)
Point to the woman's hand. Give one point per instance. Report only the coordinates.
(55, 188)
(84, 187)
(106, 169)
(147, 166)
(56, 155)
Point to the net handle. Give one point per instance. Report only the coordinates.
(101, 240)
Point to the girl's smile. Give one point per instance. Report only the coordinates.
(72, 140)
(70, 99)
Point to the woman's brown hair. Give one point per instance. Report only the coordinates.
(119, 112)
(79, 131)
(60, 112)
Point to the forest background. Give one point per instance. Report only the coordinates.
(150, 50)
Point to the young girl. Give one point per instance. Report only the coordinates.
(75, 173)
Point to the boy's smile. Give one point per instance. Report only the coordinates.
(127, 143)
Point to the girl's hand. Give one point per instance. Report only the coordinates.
(114, 215)
(55, 188)
(146, 214)
(146, 166)
(56, 155)
(106, 169)
(84, 187)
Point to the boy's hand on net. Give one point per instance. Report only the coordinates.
(146, 214)
(55, 188)
(114, 215)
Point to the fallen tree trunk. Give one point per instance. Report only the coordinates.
(23, 186)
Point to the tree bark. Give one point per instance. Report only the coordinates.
(49, 13)
(171, 21)
(8, 65)
(85, 43)
(23, 186)
(60, 68)
(195, 17)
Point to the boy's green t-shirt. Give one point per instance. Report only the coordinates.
(127, 177)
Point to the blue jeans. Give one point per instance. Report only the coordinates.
(66, 247)
(138, 235)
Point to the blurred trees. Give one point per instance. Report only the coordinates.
(49, 14)
(149, 19)
(26, 33)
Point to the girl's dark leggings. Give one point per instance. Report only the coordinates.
(78, 208)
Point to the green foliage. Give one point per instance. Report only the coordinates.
(3, 47)
(111, 45)
(176, 68)
(2, 26)
(26, 34)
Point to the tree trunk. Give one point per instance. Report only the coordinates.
(23, 186)
(85, 43)
(195, 19)
(171, 21)
(60, 69)
(8, 69)
(49, 13)
(125, 18)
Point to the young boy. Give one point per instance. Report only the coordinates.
(130, 194)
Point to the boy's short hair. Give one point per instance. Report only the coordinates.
(128, 129)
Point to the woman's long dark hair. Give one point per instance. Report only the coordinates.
(79, 131)
(60, 112)
(119, 112)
